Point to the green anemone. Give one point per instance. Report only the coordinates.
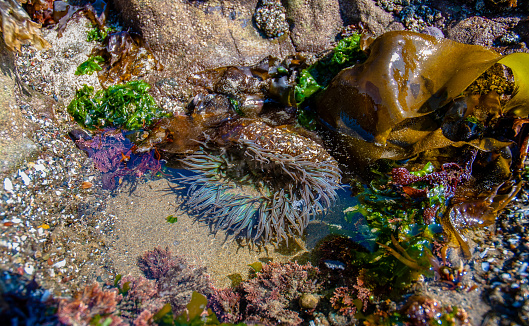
(258, 193)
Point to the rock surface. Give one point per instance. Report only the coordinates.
(477, 30)
(15, 146)
(314, 23)
(190, 36)
(375, 19)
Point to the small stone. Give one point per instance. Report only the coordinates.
(309, 301)
(8, 185)
(29, 269)
(24, 177)
(505, 276)
(60, 264)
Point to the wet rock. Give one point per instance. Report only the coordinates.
(315, 23)
(374, 18)
(191, 36)
(15, 145)
(309, 301)
(477, 30)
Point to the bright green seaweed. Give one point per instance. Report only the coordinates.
(126, 105)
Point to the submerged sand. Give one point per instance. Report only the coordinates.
(141, 225)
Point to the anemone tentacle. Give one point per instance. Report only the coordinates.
(268, 184)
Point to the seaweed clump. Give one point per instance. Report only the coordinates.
(270, 296)
(175, 278)
(316, 77)
(112, 154)
(18, 28)
(129, 106)
(126, 57)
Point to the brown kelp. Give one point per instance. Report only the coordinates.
(126, 57)
(17, 27)
(394, 105)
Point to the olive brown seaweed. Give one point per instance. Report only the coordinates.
(394, 104)
(18, 28)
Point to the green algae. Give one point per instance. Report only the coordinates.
(390, 226)
(196, 314)
(127, 105)
(171, 219)
(316, 77)
(89, 66)
(98, 34)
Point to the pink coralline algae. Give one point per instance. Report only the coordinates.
(93, 301)
(226, 304)
(346, 299)
(176, 279)
(133, 303)
(270, 297)
(140, 301)
(156, 263)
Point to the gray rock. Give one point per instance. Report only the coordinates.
(191, 36)
(15, 145)
(477, 30)
(314, 23)
(374, 18)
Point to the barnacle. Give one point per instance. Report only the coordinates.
(287, 180)
(18, 28)
(270, 18)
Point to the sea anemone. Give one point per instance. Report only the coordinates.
(267, 182)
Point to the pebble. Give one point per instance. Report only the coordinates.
(8, 185)
(506, 276)
(46, 192)
(309, 301)
(60, 264)
(24, 177)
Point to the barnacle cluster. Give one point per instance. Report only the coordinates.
(270, 18)
(415, 14)
(18, 28)
(287, 179)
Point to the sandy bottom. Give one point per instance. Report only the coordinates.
(141, 225)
